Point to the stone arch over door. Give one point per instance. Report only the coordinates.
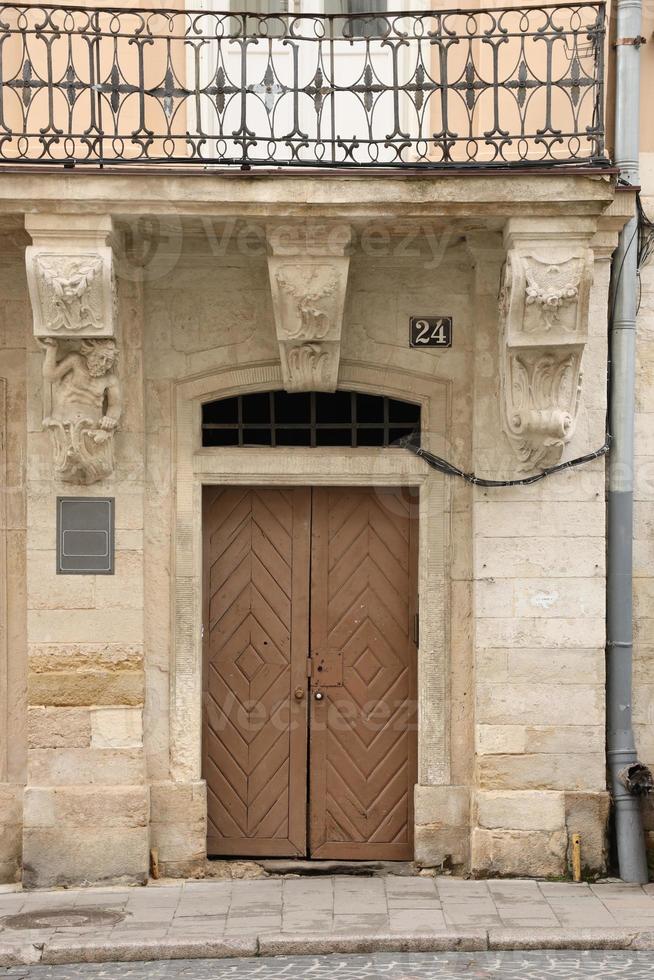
(196, 467)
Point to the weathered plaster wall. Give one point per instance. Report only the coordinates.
(15, 331)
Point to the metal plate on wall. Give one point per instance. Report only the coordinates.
(430, 331)
(85, 535)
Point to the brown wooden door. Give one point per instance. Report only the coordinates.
(363, 740)
(256, 595)
(355, 550)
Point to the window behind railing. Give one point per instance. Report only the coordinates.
(369, 24)
(362, 87)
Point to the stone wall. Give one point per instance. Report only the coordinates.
(206, 312)
(527, 737)
(521, 766)
(538, 579)
(15, 331)
(87, 792)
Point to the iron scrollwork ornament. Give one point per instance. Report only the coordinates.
(378, 89)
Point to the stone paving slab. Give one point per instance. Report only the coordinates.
(284, 916)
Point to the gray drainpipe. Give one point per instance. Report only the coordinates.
(621, 750)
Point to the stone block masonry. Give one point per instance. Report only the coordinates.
(87, 800)
(101, 676)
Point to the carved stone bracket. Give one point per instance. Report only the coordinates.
(70, 280)
(543, 330)
(308, 269)
(83, 403)
(70, 275)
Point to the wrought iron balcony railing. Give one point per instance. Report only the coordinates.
(494, 87)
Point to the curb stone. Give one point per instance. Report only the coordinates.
(316, 944)
(540, 938)
(20, 954)
(319, 944)
(57, 953)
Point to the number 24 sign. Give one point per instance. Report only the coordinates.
(430, 331)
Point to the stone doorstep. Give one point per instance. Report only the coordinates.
(363, 869)
(58, 951)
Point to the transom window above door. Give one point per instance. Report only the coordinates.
(312, 418)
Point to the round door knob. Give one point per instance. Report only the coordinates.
(319, 695)
(299, 693)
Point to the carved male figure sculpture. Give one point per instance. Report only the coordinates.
(85, 408)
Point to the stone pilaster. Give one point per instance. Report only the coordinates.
(179, 827)
(15, 336)
(86, 803)
(538, 554)
(442, 827)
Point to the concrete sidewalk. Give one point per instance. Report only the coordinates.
(269, 916)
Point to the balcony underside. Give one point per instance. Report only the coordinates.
(353, 197)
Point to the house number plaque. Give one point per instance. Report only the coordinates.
(430, 331)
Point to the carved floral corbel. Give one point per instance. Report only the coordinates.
(308, 270)
(544, 327)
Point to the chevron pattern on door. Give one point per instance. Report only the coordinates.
(363, 741)
(256, 574)
(330, 573)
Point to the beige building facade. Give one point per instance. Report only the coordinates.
(105, 713)
(132, 300)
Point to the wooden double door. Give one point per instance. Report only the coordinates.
(309, 710)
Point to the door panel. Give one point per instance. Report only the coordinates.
(356, 551)
(256, 574)
(362, 741)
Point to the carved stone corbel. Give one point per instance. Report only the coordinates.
(308, 269)
(70, 279)
(70, 275)
(543, 330)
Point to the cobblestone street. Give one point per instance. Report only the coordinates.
(387, 966)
